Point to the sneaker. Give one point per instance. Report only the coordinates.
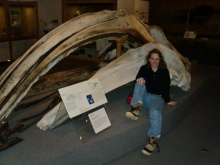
(133, 113)
(149, 148)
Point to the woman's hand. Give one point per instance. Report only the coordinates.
(172, 103)
(141, 80)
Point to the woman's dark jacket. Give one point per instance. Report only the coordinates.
(156, 82)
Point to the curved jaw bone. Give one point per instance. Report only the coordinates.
(125, 68)
(56, 45)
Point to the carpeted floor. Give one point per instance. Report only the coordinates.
(185, 145)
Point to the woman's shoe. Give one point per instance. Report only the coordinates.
(133, 113)
(149, 148)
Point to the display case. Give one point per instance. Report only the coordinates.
(5, 54)
(18, 28)
(73, 8)
(3, 24)
(23, 20)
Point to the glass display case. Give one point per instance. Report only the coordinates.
(5, 54)
(18, 28)
(23, 20)
(3, 24)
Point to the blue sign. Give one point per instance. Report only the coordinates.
(90, 99)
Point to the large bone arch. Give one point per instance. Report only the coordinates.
(49, 50)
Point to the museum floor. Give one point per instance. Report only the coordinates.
(184, 144)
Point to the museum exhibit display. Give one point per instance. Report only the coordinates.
(39, 59)
(48, 80)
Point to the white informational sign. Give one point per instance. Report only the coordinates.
(99, 120)
(82, 97)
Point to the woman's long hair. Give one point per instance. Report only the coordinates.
(162, 63)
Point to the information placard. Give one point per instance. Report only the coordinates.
(82, 97)
(99, 120)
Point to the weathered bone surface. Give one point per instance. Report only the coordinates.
(61, 79)
(124, 69)
(56, 45)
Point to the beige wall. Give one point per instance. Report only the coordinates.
(140, 8)
(126, 5)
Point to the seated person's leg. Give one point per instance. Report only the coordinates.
(137, 101)
(139, 90)
(155, 106)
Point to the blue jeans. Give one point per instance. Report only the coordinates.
(154, 103)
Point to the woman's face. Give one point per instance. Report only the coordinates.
(154, 60)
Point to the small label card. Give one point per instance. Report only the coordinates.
(99, 120)
(190, 34)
